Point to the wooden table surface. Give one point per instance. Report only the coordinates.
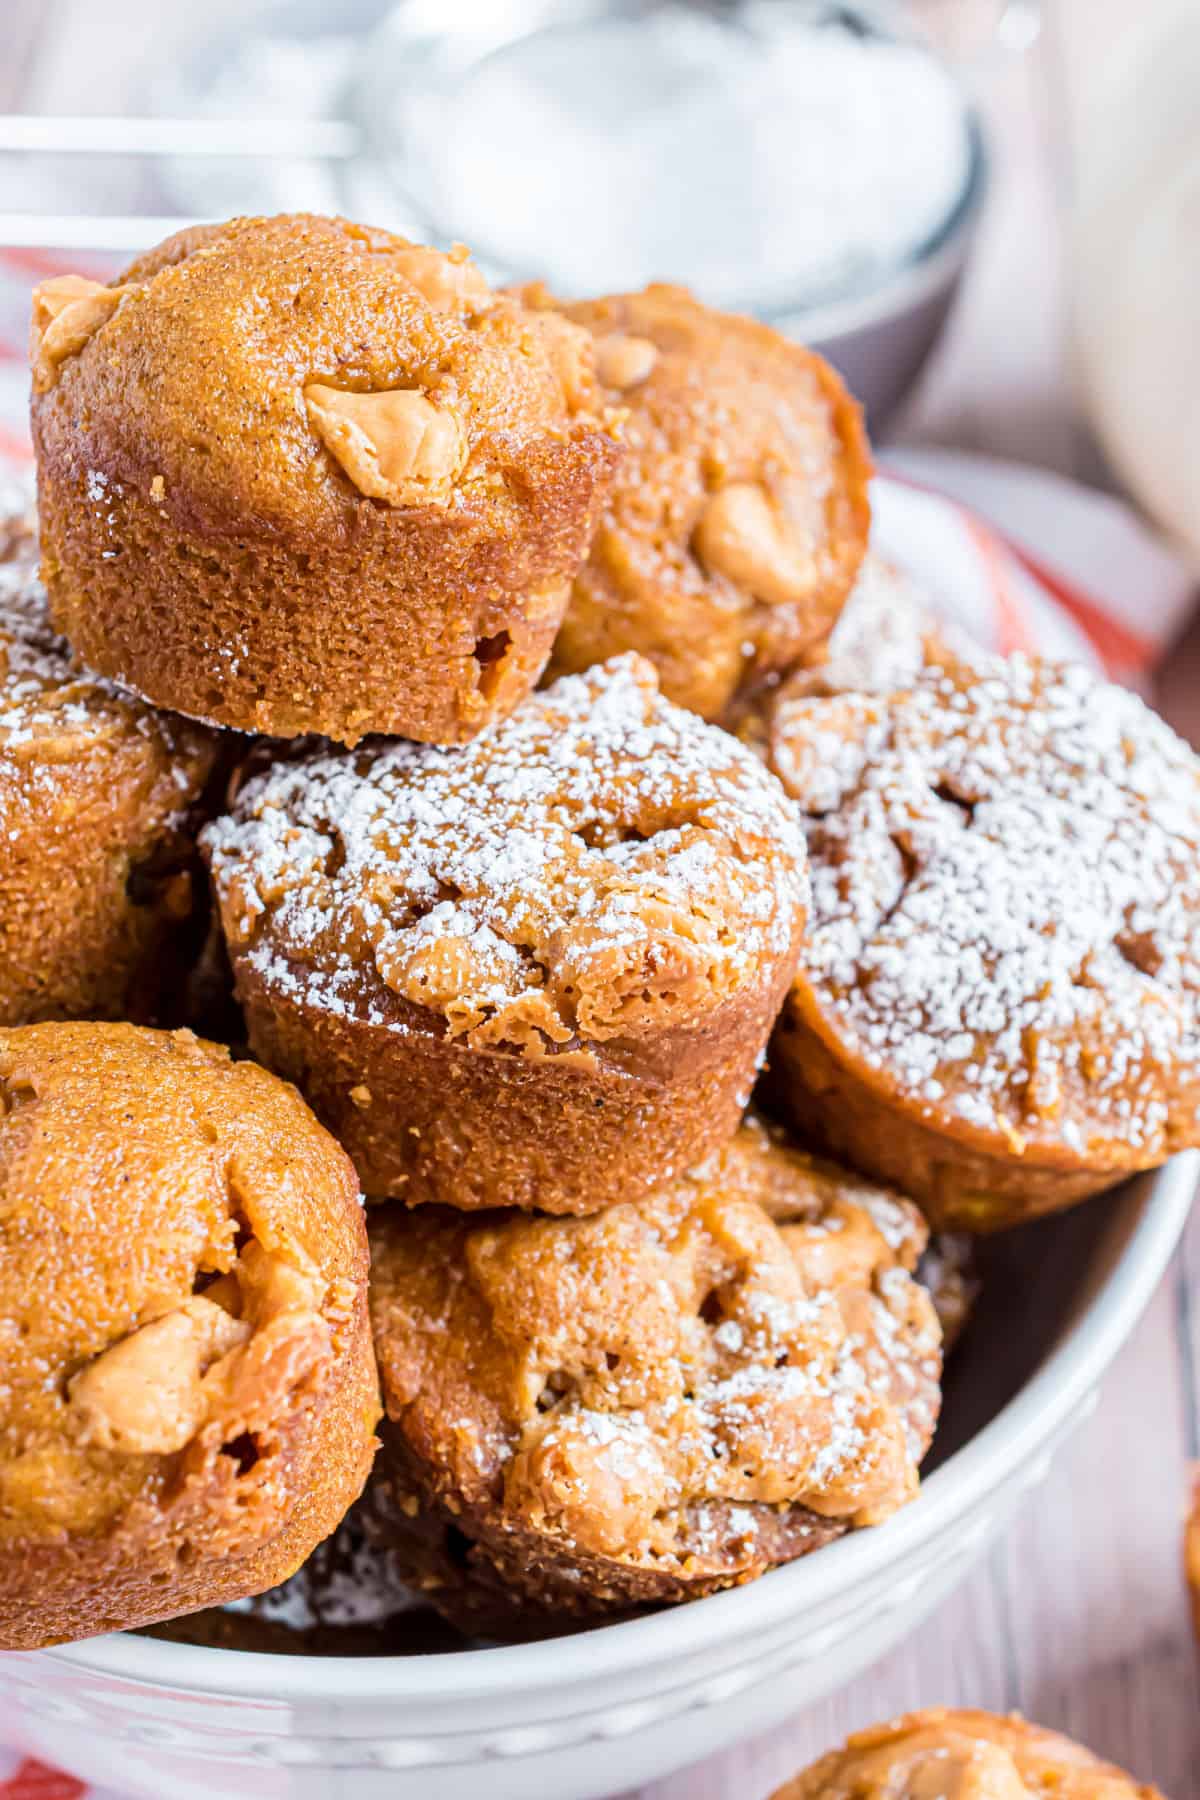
(1078, 1617)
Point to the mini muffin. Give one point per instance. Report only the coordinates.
(970, 1755)
(740, 514)
(189, 1394)
(536, 972)
(998, 1005)
(664, 1399)
(102, 897)
(295, 475)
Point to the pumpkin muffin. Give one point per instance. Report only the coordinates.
(295, 475)
(189, 1393)
(102, 897)
(661, 1400)
(539, 971)
(739, 516)
(970, 1755)
(998, 1004)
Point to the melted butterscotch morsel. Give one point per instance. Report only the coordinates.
(940, 1755)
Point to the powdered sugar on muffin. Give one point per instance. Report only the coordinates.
(1006, 899)
(599, 863)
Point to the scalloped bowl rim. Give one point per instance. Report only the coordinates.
(1091, 1338)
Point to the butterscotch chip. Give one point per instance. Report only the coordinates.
(967, 1755)
(395, 446)
(101, 893)
(66, 312)
(537, 972)
(189, 1394)
(298, 476)
(661, 1400)
(997, 1007)
(739, 516)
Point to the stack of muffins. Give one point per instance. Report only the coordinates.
(509, 959)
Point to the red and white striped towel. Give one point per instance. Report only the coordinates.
(1021, 558)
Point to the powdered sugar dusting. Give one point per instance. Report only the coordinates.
(686, 1378)
(1006, 898)
(599, 861)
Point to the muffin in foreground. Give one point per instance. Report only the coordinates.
(101, 889)
(538, 971)
(970, 1755)
(739, 515)
(189, 1393)
(295, 475)
(655, 1402)
(998, 1005)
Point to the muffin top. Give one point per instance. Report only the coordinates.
(51, 711)
(646, 1383)
(286, 369)
(886, 633)
(1006, 901)
(183, 1251)
(599, 866)
(739, 515)
(970, 1755)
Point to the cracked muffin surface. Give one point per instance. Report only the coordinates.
(580, 925)
(945, 1755)
(297, 475)
(189, 1394)
(101, 891)
(998, 1005)
(739, 515)
(661, 1400)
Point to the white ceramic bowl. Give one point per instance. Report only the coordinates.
(602, 1711)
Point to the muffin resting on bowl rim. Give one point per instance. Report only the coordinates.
(296, 475)
(189, 1393)
(101, 888)
(998, 1005)
(739, 515)
(975, 1755)
(662, 1399)
(538, 971)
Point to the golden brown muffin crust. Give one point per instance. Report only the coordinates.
(664, 1398)
(739, 515)
(189, 1394)
(601, 897)
(943, 1755)
(997, 1005)
(298, 475)
(101, 892)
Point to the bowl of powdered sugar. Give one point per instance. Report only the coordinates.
(815, 164)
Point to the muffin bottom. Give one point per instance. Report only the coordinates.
(427, 1119)
(960, 1184)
